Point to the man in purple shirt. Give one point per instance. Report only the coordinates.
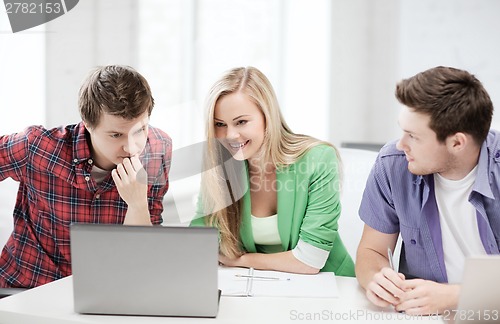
(438, 187)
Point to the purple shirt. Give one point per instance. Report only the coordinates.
(396, 200)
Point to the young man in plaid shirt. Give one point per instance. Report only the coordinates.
(112, 168)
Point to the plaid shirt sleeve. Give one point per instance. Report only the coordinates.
(13, 155)
(156, 160)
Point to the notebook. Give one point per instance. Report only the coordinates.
(242, 282)
(479, 300)
(145, 270)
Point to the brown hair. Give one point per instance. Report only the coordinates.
(116, 90)
(454, 99)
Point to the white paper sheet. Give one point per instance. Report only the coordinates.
(282, 284)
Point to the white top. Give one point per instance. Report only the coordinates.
(265, 232)
(98, 174)
(458, 221)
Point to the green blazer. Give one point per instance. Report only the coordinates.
(308, 209)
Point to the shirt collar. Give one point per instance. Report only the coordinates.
(81, 140)
(482, 183)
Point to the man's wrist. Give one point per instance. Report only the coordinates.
(138, 215)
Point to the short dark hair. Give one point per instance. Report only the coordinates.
(454, 99)
(116, 90)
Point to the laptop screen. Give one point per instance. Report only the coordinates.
(145, 270)
(480, 292)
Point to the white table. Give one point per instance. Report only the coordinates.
(53, 304)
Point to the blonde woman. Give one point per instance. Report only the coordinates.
(279, 208)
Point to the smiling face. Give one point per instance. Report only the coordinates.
(239, 125)
(116, 138)
(425, 154)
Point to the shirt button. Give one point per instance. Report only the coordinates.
(75, 160)
(97, 196)
(90, 161)
(497, 155)
(87, 178)
(412, 241)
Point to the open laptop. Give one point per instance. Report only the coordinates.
(145, 270)
(479, 300)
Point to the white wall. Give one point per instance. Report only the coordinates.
(459, 33)
(22, 77)
(376, 43)
(93, 33)
(202, 39)
(334, 63)
(364, 70)
(305, 80)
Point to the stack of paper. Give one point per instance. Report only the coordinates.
(241, 282)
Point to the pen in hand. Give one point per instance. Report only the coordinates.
(391, 263)
(389, 256)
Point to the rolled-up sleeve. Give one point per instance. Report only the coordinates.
(320, 224)
(310, 255)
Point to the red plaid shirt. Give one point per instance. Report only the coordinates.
(53, 169)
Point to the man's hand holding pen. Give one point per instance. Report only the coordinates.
(412, 296)
(386, 286)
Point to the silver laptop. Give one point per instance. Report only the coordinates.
(145, 270)
(479, 300)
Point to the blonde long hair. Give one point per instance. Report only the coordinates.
(281, 147)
